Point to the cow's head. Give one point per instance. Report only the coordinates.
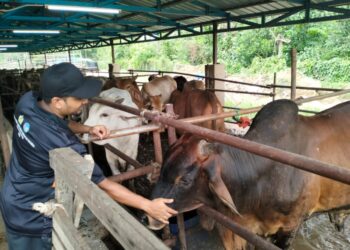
(191, 175)
(112, 118)
(156, 102)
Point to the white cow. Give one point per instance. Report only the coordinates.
(156, 93)
(116, 119)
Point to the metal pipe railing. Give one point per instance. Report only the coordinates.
(292, 159)
(241, 92)
(303, 87)
(139, 171)
(199, 76)
(237, 229)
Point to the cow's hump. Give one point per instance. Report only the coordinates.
(273, 121)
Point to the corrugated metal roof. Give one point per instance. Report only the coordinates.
(142, 20)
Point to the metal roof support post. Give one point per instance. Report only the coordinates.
(69, 56)
(215, 43)
(112, 51)
(293, 74)
(31, 60)
(45, 60)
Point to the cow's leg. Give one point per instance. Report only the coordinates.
(230, 240)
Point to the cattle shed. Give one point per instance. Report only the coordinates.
(43, 27)
(146, 20)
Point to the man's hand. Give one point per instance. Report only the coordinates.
(158, 210)
(100, 131)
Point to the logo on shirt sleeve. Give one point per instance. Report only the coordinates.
(26, 127)
(22, 130)
(20, 119)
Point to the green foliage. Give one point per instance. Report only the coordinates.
(323, 51)
(267, 65)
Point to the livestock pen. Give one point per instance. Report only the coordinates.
(158, 128)
(320, 168)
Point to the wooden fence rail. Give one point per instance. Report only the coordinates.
(70, 169)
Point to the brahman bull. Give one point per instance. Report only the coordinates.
(198, 102)
(157, 92)
(266, 197)
(116, 119)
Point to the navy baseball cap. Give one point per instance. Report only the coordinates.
(64, 80)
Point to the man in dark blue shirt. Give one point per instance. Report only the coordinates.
(40, 126)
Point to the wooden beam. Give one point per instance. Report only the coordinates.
(130, 233)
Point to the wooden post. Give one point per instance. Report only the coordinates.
(4, 142)
(293, 74)
(78, 201)
(68, 166)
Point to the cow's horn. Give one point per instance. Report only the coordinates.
(205, 148)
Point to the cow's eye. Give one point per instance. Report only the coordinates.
(186, 181)
(104, 115)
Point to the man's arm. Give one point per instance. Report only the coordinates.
(156, 208)
(98, 130)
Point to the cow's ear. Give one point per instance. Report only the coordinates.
(218, 187)
(205, 149)
(134, 78)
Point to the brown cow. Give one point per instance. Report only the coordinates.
(198, 102)
(194, 84)
(272, 198)
(128, 84)
(157, 92)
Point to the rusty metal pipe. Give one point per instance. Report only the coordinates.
(315, 98)
(158, 155)
(125, 157)
(303, 87)
(238, 229)
(132, 174)
(123, 132)
(195, 119)
(115, 105)
(241, 92)
(171, 131)
(298, 161)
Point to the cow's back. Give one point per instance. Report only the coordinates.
(197, 102)
(328, 136)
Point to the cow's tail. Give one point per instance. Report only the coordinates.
(213, 102)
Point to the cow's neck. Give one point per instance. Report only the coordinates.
(254, 180)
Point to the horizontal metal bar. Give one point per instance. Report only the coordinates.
(139, 171)
(123, 132)
(320, 97)
(292, 159)
(237, 228)
(242, 92)
(132, 174)
(303, 87)
(198, 76)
